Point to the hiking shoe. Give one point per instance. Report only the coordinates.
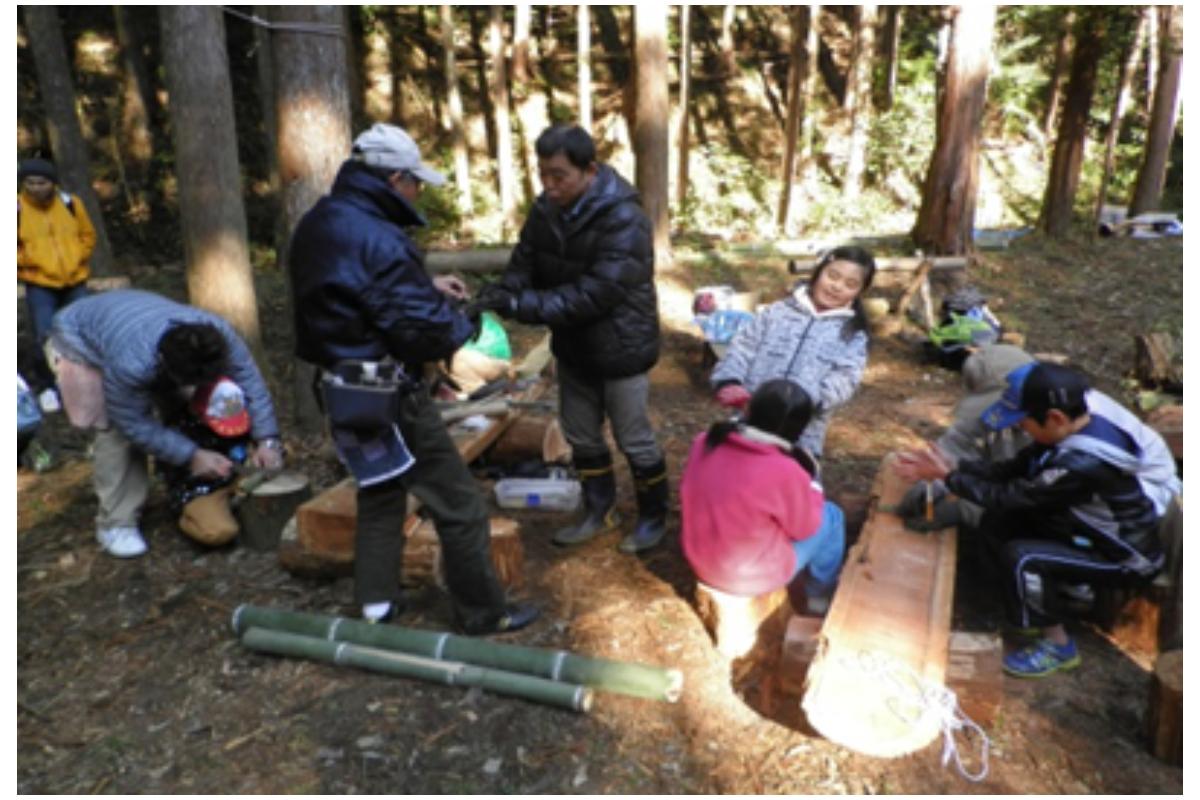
(515, 617)
(1041, 658)
(121, 541)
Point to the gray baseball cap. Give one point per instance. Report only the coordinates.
(389, 147)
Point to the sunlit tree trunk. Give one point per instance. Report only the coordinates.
(1071, 141)
(651, 140)
(685, 92)
(1147, 192)
(66, 140)
(1124, 83)
(859, 84)
(795, 110)
(811, 47)
(728, 57)
(895, 20)
(458, 135)
(499, 90)
(532, 115)
(947, 215)
(476, 16)
(1152, 43)
(1062, 58)
(584, 45)
(312, 118)
(215, 244)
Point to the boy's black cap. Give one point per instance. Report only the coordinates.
(1034, 388)
(37, 166)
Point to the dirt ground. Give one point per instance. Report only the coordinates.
(131, 681)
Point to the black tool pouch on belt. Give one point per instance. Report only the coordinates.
(363, 395)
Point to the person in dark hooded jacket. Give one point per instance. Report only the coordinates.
(584, 266)
(362, 296)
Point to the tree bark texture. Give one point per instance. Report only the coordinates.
(458, 135)
(947, 216)
(1152, 42)
(57, 90)
(215, 243)
(685, 92)
(498, 77)
(651, 139)
(1071, 141)
(312, 120)
(893, 24)
(1147, 192)
(794, 111)
(861, 71)
(1062, 57)
(584, 48)
(1120, 102)
(811, 48)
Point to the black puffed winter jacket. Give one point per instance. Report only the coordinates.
(359, 282)
(590, 278)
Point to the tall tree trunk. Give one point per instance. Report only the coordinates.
(585, 67)
(401, 64)
(476, 16)
(1124, 83)
(1062, 57)
(651, 140)
(265, 66)
(947, 215)
(137, 139)
(216, 247)
(685, 92)
(1147, 192)
(860, 119)
(499, 90)
(377, 68)
(795, 109)
(66, 139)
(1059, 203)
(312, 118)
(728, 56)
(462, 163)
(1152, 45)
(811, 52)
(895, 20)
(532, 116)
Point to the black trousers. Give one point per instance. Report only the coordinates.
(453, 498)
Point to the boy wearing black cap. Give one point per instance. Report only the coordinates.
(55, 239)
(1080, 504)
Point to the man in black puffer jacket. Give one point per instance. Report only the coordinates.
(361, 295)
(584, 266)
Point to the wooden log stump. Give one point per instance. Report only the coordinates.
(1164, 716)
(974, 671)
(532, 437)
(736, 624)
(1154, 361)
(424, 565)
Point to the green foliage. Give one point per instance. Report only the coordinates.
(736, 202)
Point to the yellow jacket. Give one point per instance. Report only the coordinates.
(53, 243)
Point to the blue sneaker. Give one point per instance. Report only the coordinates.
(1040, 659)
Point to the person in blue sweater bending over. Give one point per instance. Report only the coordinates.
(1082, 503)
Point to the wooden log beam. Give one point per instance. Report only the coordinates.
(887, 630)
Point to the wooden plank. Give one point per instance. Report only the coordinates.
(887, 630)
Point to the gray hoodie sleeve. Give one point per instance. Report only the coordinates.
(845, 373)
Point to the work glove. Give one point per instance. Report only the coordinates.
(495, 297)
(733, 395)
(913, 508)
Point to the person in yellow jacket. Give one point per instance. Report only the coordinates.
(55, 239)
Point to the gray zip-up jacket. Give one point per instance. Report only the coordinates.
(117, 333)
(790, 339)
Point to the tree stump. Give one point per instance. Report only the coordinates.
(735, 622)
(1154, 361)
(423, 563)
(1164, 716)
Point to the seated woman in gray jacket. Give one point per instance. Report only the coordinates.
(816, 337)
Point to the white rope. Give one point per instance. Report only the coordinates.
(916, 698)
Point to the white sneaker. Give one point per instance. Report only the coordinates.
(49, 402)
(122, 542)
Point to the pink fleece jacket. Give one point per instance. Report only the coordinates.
(743, 504)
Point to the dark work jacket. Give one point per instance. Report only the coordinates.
(360, 289)
(590, 278)
(1074, 489)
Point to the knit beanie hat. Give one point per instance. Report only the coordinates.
(37, 166)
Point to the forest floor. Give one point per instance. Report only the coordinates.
(131, 681)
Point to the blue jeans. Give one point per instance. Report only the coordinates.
(822, 552)
(42, 304)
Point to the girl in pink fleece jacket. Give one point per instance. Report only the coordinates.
(754, 514)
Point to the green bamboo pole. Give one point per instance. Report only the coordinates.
(639, 680)
(452, 673)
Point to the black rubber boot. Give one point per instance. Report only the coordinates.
(652, 496)
(599, 502)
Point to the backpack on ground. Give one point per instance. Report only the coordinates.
(966, 324)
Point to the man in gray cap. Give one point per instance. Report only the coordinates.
(364, 305)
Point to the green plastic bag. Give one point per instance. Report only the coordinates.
(492, 340)
(962, 330)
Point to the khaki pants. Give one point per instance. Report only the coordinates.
(121, 479)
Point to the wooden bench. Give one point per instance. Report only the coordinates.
(887, 630)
